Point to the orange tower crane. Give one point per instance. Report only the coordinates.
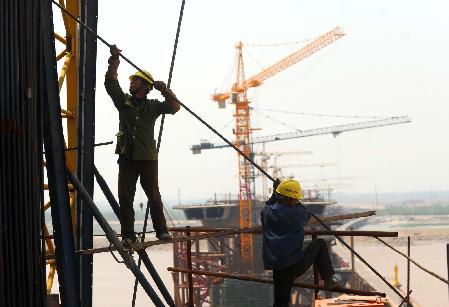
(243, 124)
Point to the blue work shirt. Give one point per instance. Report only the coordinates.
(283, 234)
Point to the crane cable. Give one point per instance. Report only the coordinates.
(234, 147)
(323, 114)
(161, 129)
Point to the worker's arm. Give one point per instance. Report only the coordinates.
(111, 83)
(273, 197)
(168, 95)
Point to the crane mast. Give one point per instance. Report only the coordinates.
(243, 141)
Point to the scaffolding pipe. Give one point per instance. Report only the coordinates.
(408, 271)
(189, 267)
(142, 245)
(269, 281)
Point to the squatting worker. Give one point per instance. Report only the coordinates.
(283, 221)
(136, 146)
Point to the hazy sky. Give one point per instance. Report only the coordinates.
(393, 61)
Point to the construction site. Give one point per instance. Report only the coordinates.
(51, 183)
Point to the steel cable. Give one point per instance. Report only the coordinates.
(161, 129)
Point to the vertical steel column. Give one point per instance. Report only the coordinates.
(447, 259)
(56, 166)
(408, 271)
(3, 99)
(316, 274)
(352, 259)
(87, 54)
(189, 266)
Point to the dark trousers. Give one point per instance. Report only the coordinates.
(315, 253)
(129, 171)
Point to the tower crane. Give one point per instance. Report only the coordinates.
(243, 129)
(334, 130)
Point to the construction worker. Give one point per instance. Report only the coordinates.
(136, 146)
(283, 221)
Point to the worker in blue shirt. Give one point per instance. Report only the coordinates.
(283, 221)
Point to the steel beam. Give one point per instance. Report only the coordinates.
(87, 55)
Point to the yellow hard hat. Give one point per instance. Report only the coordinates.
(139, 74)
(290, 188)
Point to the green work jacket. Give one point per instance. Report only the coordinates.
(135, 139)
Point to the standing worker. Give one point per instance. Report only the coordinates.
(136, 146)
(283, 221)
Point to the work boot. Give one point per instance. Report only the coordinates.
(164, 236)
(331, 283)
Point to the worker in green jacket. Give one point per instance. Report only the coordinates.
(136, 146)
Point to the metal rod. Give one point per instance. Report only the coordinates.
(258, 230)
(189, 267)
(408, 271)
(414, 262)
(170, 74)
(405, 298)
(106, 191)
(269, 281)
(157, 279)
(316, 275)
(447, 256)
(95, 145)
(137, 246)
(352, 258)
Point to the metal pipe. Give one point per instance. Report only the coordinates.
(316, 275)
(405, 298)
(189, 267)
(447, 257)
(258, 230)
(142, 245)
(352, 257)
(408, 271)
(157, 279)
(64, 69)
(269, 281)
